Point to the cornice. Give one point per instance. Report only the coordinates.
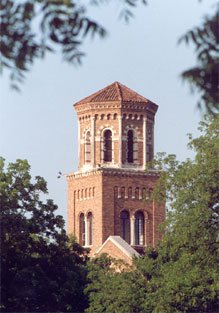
(121, 105)
(118, 172)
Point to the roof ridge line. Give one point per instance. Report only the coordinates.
(119, 90)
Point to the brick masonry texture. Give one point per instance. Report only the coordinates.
(105, 189)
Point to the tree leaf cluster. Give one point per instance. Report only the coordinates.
(205, 76)
(32, 28)
(42, 270)
(180, 274)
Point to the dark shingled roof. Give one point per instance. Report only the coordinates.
(114, 92)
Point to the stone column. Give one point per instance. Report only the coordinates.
(120, 142)
(132, 229)
(144, 141)
(93, 141)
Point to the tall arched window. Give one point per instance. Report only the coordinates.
(125, 225)
(139, 228)
(130, 146)
(107, 146)
(116, 192)
(87, 148)
(130, 192)
(136, 193)
(144, 194)
(122, 192)
(82, 229)
(90, 228)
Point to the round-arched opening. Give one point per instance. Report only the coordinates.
(87, 148)
(130, 146)
(125, 225)
(139, 228)
(90, 228)
(107, 146)
(82, 229)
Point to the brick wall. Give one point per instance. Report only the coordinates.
(106, 206)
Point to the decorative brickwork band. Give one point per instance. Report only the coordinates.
(109, 194)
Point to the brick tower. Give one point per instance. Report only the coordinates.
(107, 207)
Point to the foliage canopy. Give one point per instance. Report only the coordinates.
(32, 28)
(41, 269)
(181, 274)
(205, 76)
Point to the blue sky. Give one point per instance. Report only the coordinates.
(40, 125)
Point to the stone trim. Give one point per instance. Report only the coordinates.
(122, 245)
(114, 172)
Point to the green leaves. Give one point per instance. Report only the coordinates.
(41, 269)
(181, 274)
(204, 77)
(30, 29)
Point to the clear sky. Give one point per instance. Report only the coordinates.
(40, 125)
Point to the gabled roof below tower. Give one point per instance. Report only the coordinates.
(118, 248)
(114, 92)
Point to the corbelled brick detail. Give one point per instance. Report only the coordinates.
(106, 189)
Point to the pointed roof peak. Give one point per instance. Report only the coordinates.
(114, 92)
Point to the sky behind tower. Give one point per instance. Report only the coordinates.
(40, 125)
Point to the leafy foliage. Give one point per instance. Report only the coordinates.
(205, 76)
(110, 289)
(32, 28)
(181, 274)
(41, 269)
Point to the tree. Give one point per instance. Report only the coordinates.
(32, 28)
(41, 269)
(181, 274)
(110, 286)
(205, 76)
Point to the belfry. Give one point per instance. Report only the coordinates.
(108, 209)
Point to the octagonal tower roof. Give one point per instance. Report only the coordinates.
(114, 92)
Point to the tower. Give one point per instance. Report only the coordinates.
(107, 196)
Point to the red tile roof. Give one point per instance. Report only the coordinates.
(114, 92)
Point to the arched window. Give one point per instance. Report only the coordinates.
(89, 192)
(139, 228)
(125, 225)
(144, 194)
(87, 148)
(82, 229)
(130, 193)
(136, 193)
(90, 228)
(130, 146)
(116, 192)
(122, 192)
(107, 146)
